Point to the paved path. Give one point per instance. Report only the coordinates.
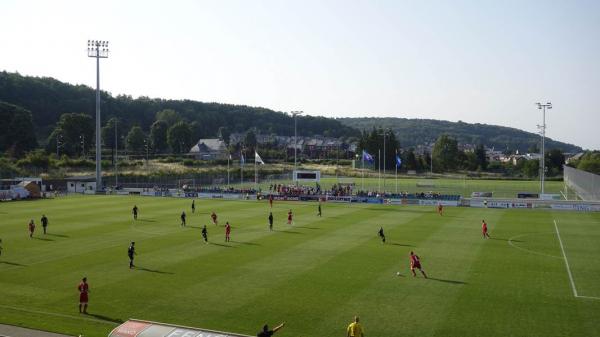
(15, 331)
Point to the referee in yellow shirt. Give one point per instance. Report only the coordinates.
(355, 329)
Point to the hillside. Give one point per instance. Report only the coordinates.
(48, 98)
(413, 132)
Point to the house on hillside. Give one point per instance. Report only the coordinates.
(209, 149)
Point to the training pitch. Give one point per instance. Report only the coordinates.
(538, 275)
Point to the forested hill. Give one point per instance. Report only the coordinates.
(412, 132)
(48, 98)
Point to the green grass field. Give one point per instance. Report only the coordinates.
(315, 275)
(464, 187)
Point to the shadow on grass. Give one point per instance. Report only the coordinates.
(146, 220)
(446, 281)
(58, 235)
(13, 264)
(306, 227)
(221, 245)
(246, 243)
(105, 318)
(42, 239)
(400, 244)
(154, 271)
(289, 232)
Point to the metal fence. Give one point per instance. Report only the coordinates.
(585, 184)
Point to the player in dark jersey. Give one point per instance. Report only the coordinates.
(31, 228)
(319, 213)
(0, 247)
(381, 235)
(84, 289)
(266, 332)
(205, 234)
(135, 212)
(131, 253)
(182, 219)
(44, 221)
(270, 221)
(415, 263)
(193, 206)
(484, 230)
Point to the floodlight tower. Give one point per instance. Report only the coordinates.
(542, 128)
(98, 49)
(295, 113)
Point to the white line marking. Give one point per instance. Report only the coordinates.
(590, 297)
(83, 318)
(566, 261)
(510, 242)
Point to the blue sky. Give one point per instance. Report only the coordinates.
(475, 61)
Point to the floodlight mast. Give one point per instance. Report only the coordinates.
(542, 128)
(98, 49)
(295, 113)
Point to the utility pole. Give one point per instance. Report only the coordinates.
(116, 158)
(98, 50)
(542, 128)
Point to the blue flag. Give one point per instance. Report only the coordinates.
(368, 157)
(398, 161)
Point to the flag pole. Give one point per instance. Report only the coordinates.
(241, 170)
(396, 171)
(228, 159)
(379, 167)
(363, 171)
(255, 172)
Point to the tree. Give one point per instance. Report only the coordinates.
(250, 139)
(445, 154)
(224, 133)
(554, 160)
(179, 137)
(169, 116)
(410, 160)
(531, 168)
(108, 134)
(135, 140)
(17, 134)
(481, 157)
(590, 162)
(158, 136)
(74, 133)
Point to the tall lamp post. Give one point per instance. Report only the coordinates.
(295, 113)
(98, 50)
(542, 128)
(384, 134)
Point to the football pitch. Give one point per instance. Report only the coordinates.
(538, 275)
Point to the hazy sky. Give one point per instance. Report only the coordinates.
(475, 61)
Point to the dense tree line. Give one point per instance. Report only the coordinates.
(414, 132)
(47, 99)
(16, 130)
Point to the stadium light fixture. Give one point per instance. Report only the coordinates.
(542, 128)
(98, 50)
(294, 114)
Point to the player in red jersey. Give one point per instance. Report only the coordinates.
(271, 200)
(440, 209)
(213, 216)
(415, 262)
(84, 289)
(227, 231)
(484, 230)
(290, 215)
(31, 228)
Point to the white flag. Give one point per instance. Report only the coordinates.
(258, 159)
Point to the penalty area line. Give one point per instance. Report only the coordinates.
(562, 248)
